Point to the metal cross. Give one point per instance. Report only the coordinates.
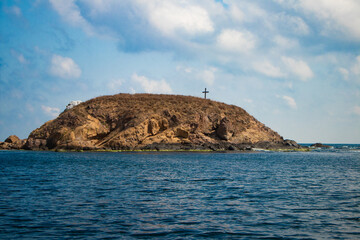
(205, 92)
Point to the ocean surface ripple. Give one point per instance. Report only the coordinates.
(311, 195)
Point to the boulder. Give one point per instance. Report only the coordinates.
(12, 142)
(174, 120)
(292, 143)
(35, 144)
(231, 148)
(13, 139)
(164, 124)
(182, 133)
(153, 127)
(224, 131)
(4, 146)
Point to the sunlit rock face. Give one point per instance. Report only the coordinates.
(150, 121)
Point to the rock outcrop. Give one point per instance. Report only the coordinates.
(149, 121)
(319, 145)
(12, 142)
(225, 130)
(13, 139)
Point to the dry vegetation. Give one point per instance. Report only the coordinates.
(141, 121)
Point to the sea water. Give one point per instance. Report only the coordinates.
(267, 195)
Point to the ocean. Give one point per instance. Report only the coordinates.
(261, 195)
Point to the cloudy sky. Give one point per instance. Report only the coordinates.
(292, 64)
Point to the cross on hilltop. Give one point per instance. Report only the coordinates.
(205, 92)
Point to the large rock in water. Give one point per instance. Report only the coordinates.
(12, 142)
(148, 121)
(320, 145)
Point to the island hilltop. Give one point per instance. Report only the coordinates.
(154, 122)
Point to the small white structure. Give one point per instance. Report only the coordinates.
(72, 104)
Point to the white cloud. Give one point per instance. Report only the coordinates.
(53, 112)
(29, 107)
(284, 42)
(181, 68)
(70, 12)
(19, 57)
(64, 67)
(115, 85)
(290, 101)
(15, 10)
(293, 24)
(298, 67)
(268, 69)
(172, 16)
(356, 110)
(245, 11)
(289, 85)
(16, 93)
(188, 70)
(356, 67)
(335, 15)
(99, 6)
(234, 40)
(132, 90)
(208, 76)
(344, 72)
(151, 86)
(236, 13)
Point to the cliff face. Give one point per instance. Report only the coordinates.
(147, 121)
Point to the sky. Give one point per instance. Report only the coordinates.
(294, 65)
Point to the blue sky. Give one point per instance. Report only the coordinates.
(294, 65)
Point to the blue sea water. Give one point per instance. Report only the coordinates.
(266, 195)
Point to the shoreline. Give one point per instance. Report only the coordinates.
(256, 150)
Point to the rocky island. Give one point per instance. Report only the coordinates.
(153, 122)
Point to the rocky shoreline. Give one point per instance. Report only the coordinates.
(15, 143)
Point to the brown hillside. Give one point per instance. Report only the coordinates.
(149, 121)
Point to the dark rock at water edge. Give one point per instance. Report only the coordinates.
(292, 143)
(319, 145)
(36, 144)
(222, 146)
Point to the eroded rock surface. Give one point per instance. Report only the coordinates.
(225, 130)
(149, 121)
(12, 142)
(13, 139)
